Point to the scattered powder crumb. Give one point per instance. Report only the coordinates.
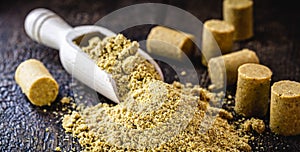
(154, 116)
(225, 114)
(47, 129)
(189, 85)
(69, 111)
(44, 110)
(183, 73)
(74, 105)
(254, 124)
(57, 149)
(55, 113)
(64, 108)
(221, 94)
(211, 87)
(65, 100)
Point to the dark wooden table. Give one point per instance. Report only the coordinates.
(23, 125)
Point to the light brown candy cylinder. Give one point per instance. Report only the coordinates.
(169, 43)
(253, 90)
(36, 82)
(217, 36)
(285, 108)
(224, 69)
(240, 14)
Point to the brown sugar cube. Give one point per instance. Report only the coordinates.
(240, 14)
(223, 70)
(253, 90)
(217, 36)
(170, 43)
(36, 82)
(285, 108)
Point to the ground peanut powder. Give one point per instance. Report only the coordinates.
(154, 115)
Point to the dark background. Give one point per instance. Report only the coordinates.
(23, 125)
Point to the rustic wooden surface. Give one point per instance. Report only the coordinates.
(23, 125)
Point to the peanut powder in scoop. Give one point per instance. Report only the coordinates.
(118, 56)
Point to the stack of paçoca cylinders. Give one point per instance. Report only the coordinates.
(219, 35)
(240, 68)
(255, 95)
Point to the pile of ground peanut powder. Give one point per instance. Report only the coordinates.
(153, 115)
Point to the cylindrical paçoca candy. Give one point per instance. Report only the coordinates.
(285, 108)
(36, 82)
(217, 39)
(240, 14)
(253, 90)
(170, 43)
(223, 70)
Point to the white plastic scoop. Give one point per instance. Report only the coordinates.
(45, 27)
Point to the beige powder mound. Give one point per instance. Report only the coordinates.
(154, 116)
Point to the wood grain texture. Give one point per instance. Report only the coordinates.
(23, 125)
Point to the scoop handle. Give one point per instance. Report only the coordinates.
(46, 27)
